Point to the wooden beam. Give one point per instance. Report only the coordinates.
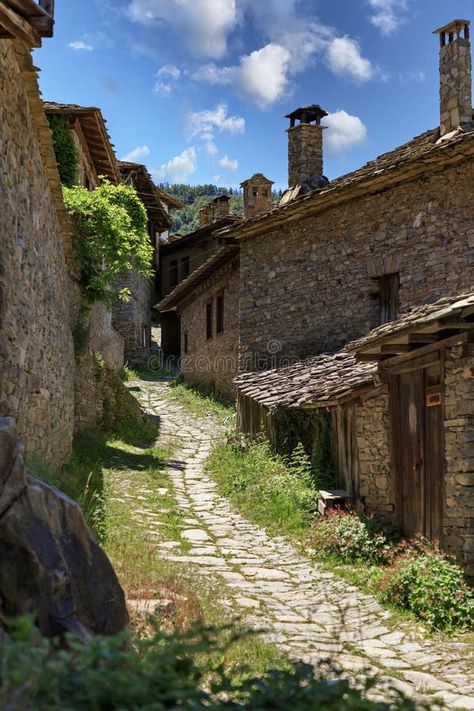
(18, 27)
(456, 325)
(396, 348)
(370, 357)
(423, 337)
(425, 350)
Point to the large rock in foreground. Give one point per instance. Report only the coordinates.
(50, 565)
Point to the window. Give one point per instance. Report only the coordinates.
(186, 342)
(209, 310)
(144, 336)
(388, 297)
(255, 192)
(220, 314)
(184, 267)
(174, 275)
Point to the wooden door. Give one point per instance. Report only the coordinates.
(418, 452)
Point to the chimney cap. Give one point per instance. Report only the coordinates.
(220, 198)
(307, 114)
(257, 177)
(454, 26)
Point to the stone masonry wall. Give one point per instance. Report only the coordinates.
(310, 286)
(130, 318)
(36, 346)
(373, 443)
(459, 453)
(213, 362)
(305, 153)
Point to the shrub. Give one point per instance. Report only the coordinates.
(433, 587)
(111, 237)
(351, 538)
(165, 671)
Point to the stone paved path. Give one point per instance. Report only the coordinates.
(309, 613)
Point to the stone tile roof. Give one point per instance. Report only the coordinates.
(222, 257)
(94, 128)
(425, 153)
(203, 231)
(314, 382)
(446, 314)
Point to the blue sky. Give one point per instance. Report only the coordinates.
(198, 89)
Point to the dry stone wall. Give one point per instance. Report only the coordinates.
(36, 345)
(459, 454)
(312, 286)
(132, 318)
(212, 362)
(373, 443)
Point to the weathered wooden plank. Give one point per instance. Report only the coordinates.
(18, 27)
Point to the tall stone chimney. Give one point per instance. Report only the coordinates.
(257, 195)
(214, 210)
(305, 145)
(455, 68)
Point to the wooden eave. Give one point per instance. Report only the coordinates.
(95, 134)
(419, 339)
(441, 155)
(27, 20)
(140, 178)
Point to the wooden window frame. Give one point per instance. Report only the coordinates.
(185, 267)
(186, 342)
(389, 299)
(174, 273)
(209, 319)
(220, 321)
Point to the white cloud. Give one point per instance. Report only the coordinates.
(345, 59)
(344, 131)
(162, 88)
(263, 75)
(170, 71)
(204, 123)
(137, 154)
(211, 148)
(229, 164)
(179, 168)
(203, 24)
(81, 46)
(388, 15)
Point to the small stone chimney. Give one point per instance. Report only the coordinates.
(305, 145)
(215, 210)
(455, 70)
(257, 195)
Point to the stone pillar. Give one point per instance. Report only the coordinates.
(305, 153)
(257, 195)
(455, 68)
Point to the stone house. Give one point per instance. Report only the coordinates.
(182, 255)
(390, 244)
(206, 305)
(132, 318)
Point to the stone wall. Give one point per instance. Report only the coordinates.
(373, 445)
(36, 345)
(459, 453)
(213, 362)
(132, 319)
(104, 339)
(305, 153)
(311, 286)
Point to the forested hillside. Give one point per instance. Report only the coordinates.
(194, 198)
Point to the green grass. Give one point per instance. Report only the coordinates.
(202, 402)
(268, 490)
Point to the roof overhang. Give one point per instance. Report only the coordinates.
(95, 134)
(27, 20)
(418, 333)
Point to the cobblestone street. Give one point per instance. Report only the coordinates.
(308, 612)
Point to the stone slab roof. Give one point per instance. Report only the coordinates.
(311, 383)
(438, 319)
(204, 231)
(94, 128)
(222, 257)
(424, 154)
